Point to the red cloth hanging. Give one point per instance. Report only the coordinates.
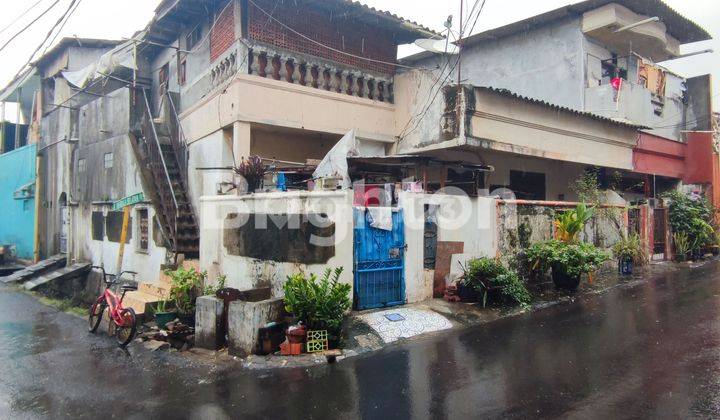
(616, 82)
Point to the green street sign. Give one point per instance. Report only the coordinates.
(128, 201)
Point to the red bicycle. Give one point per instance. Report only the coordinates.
(123, 319)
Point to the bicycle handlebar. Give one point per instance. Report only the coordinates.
(118, 277)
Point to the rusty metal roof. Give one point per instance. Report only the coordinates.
(420, 30)
(680, 27)
(510, 94)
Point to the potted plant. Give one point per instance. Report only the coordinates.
(319, 304)
(682, 246)
(163, 314)
(252, 170)
(629, 252)
(569, 261)
(567, 256)
(185, 287)
(495, 283)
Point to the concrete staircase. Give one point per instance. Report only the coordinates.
(144, 299)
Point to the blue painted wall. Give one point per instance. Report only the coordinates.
(17, 216)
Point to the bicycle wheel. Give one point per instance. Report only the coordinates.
(95, 315)
(126, 332)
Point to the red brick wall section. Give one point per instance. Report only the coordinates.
(699, 168)
(222, 35)
(340, 32)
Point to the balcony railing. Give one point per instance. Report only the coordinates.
(319, 74)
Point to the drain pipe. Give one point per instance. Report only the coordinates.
(38, 190)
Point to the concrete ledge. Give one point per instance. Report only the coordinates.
(208, 320)
(244, 320)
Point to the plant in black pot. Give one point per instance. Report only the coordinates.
(568, 261)
(567, 256)
(494, 283)
(629, 252)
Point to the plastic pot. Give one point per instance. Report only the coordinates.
(162, 318)
(625, 266)
(563, 280)
(297, 335)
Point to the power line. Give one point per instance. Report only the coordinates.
(61, 28)
(425, 110)
(47, 37)
(30, 24)
(21, 16)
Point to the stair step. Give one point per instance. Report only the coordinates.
(141, 302)
(44, 266)
(75, 270)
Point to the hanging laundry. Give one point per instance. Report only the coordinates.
(652, 77)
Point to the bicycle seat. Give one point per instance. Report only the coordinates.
(127, 287)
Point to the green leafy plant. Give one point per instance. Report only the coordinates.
(211, 290)
(318, 303)
(630, 247)
(487, 275)
(185, 287)
(692, 216)
(682, 244)
(161, 306)
(575, 259)
(570, 223)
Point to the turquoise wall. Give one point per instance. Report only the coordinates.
(17, 215)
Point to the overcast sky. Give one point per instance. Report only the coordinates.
(121, 18)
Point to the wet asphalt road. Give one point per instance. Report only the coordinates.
(650, 351)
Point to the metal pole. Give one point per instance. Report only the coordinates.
(460, 40)
(38, 199)
(123, 238)
(17, 121)
(2, 127)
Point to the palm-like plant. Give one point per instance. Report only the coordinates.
(570, 223)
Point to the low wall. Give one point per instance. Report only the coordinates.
(258, 240)
(521, 223)
(465, 226)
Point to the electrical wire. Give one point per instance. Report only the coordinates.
(17, 34)
(50, 44)
(419, 117)
(20, 17)
(47, 37)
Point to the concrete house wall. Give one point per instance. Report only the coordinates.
(18, 225)
(543, 63)
(104, 131)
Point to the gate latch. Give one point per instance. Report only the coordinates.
(395, 252)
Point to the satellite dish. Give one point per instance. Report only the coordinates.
(438, 46)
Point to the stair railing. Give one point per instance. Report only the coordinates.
(155, 155)
(178, 141)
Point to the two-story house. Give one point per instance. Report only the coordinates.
(596, 59)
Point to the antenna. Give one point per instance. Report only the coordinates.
(439, 46)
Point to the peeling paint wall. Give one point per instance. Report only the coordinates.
(543, 63)
(521, 225)
(246, 273)
(105, 169)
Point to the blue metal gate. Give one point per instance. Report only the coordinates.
(379, 262)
